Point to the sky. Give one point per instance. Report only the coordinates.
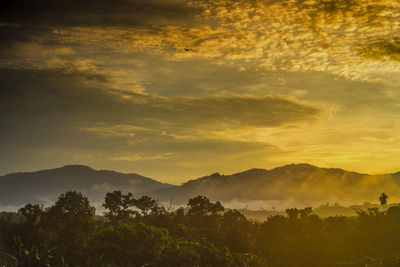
(178, 89)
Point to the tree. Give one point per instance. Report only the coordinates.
(27, 256)
(247, 260)
(31, 229)
(235, 228)
(32, 213)
(183, 253)
(383, 199)
(202, 206)
(148, 205)
(305, 212)
(293, 213)
(394, 213)
(71, 220)
(129, 245)
(203, 213)
(119, 207)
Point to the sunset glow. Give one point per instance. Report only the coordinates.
(177, 89)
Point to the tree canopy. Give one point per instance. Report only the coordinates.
(141, 232)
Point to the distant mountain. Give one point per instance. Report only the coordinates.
(282, 187)
(290, 185)
(44, 186)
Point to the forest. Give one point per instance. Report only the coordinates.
(141, 232)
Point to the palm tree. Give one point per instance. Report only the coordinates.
(383, 199)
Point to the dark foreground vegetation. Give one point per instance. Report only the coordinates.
(139, 232)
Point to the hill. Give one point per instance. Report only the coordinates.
(286, 186)
(279, 188)
(44, 186)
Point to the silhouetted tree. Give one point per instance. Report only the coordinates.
(203, 234)
(201, 206)
(383, 200)
(203, 213)
(129, 245)
(119, 207)
(31, 229)
(148, 205)
(71, 220)
(293, 213)
(32, 213)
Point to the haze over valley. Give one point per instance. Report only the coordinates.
(294, 185)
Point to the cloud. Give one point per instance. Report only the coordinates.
(54, 112)
(325, 36)
(52, 94)
(92, 77)
(93, 12)
(232, 110)
(337, 37)
(387, 50)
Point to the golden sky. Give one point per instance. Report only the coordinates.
(176, 89)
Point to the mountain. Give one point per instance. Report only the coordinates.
(44, 186)
(282, 187)
(286, 186)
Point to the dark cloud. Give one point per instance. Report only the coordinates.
(56, 115)
(12, 33)
(45, 96)
(24, 20)
(241, 110)
(94, 12)
(388, 49)
(40, 108)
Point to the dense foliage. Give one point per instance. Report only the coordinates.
(140, 232)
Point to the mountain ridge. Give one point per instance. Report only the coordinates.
(303, 183)
(22, 187)
(298, 183)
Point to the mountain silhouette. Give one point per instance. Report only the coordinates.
(299, 184)
(45, 186)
